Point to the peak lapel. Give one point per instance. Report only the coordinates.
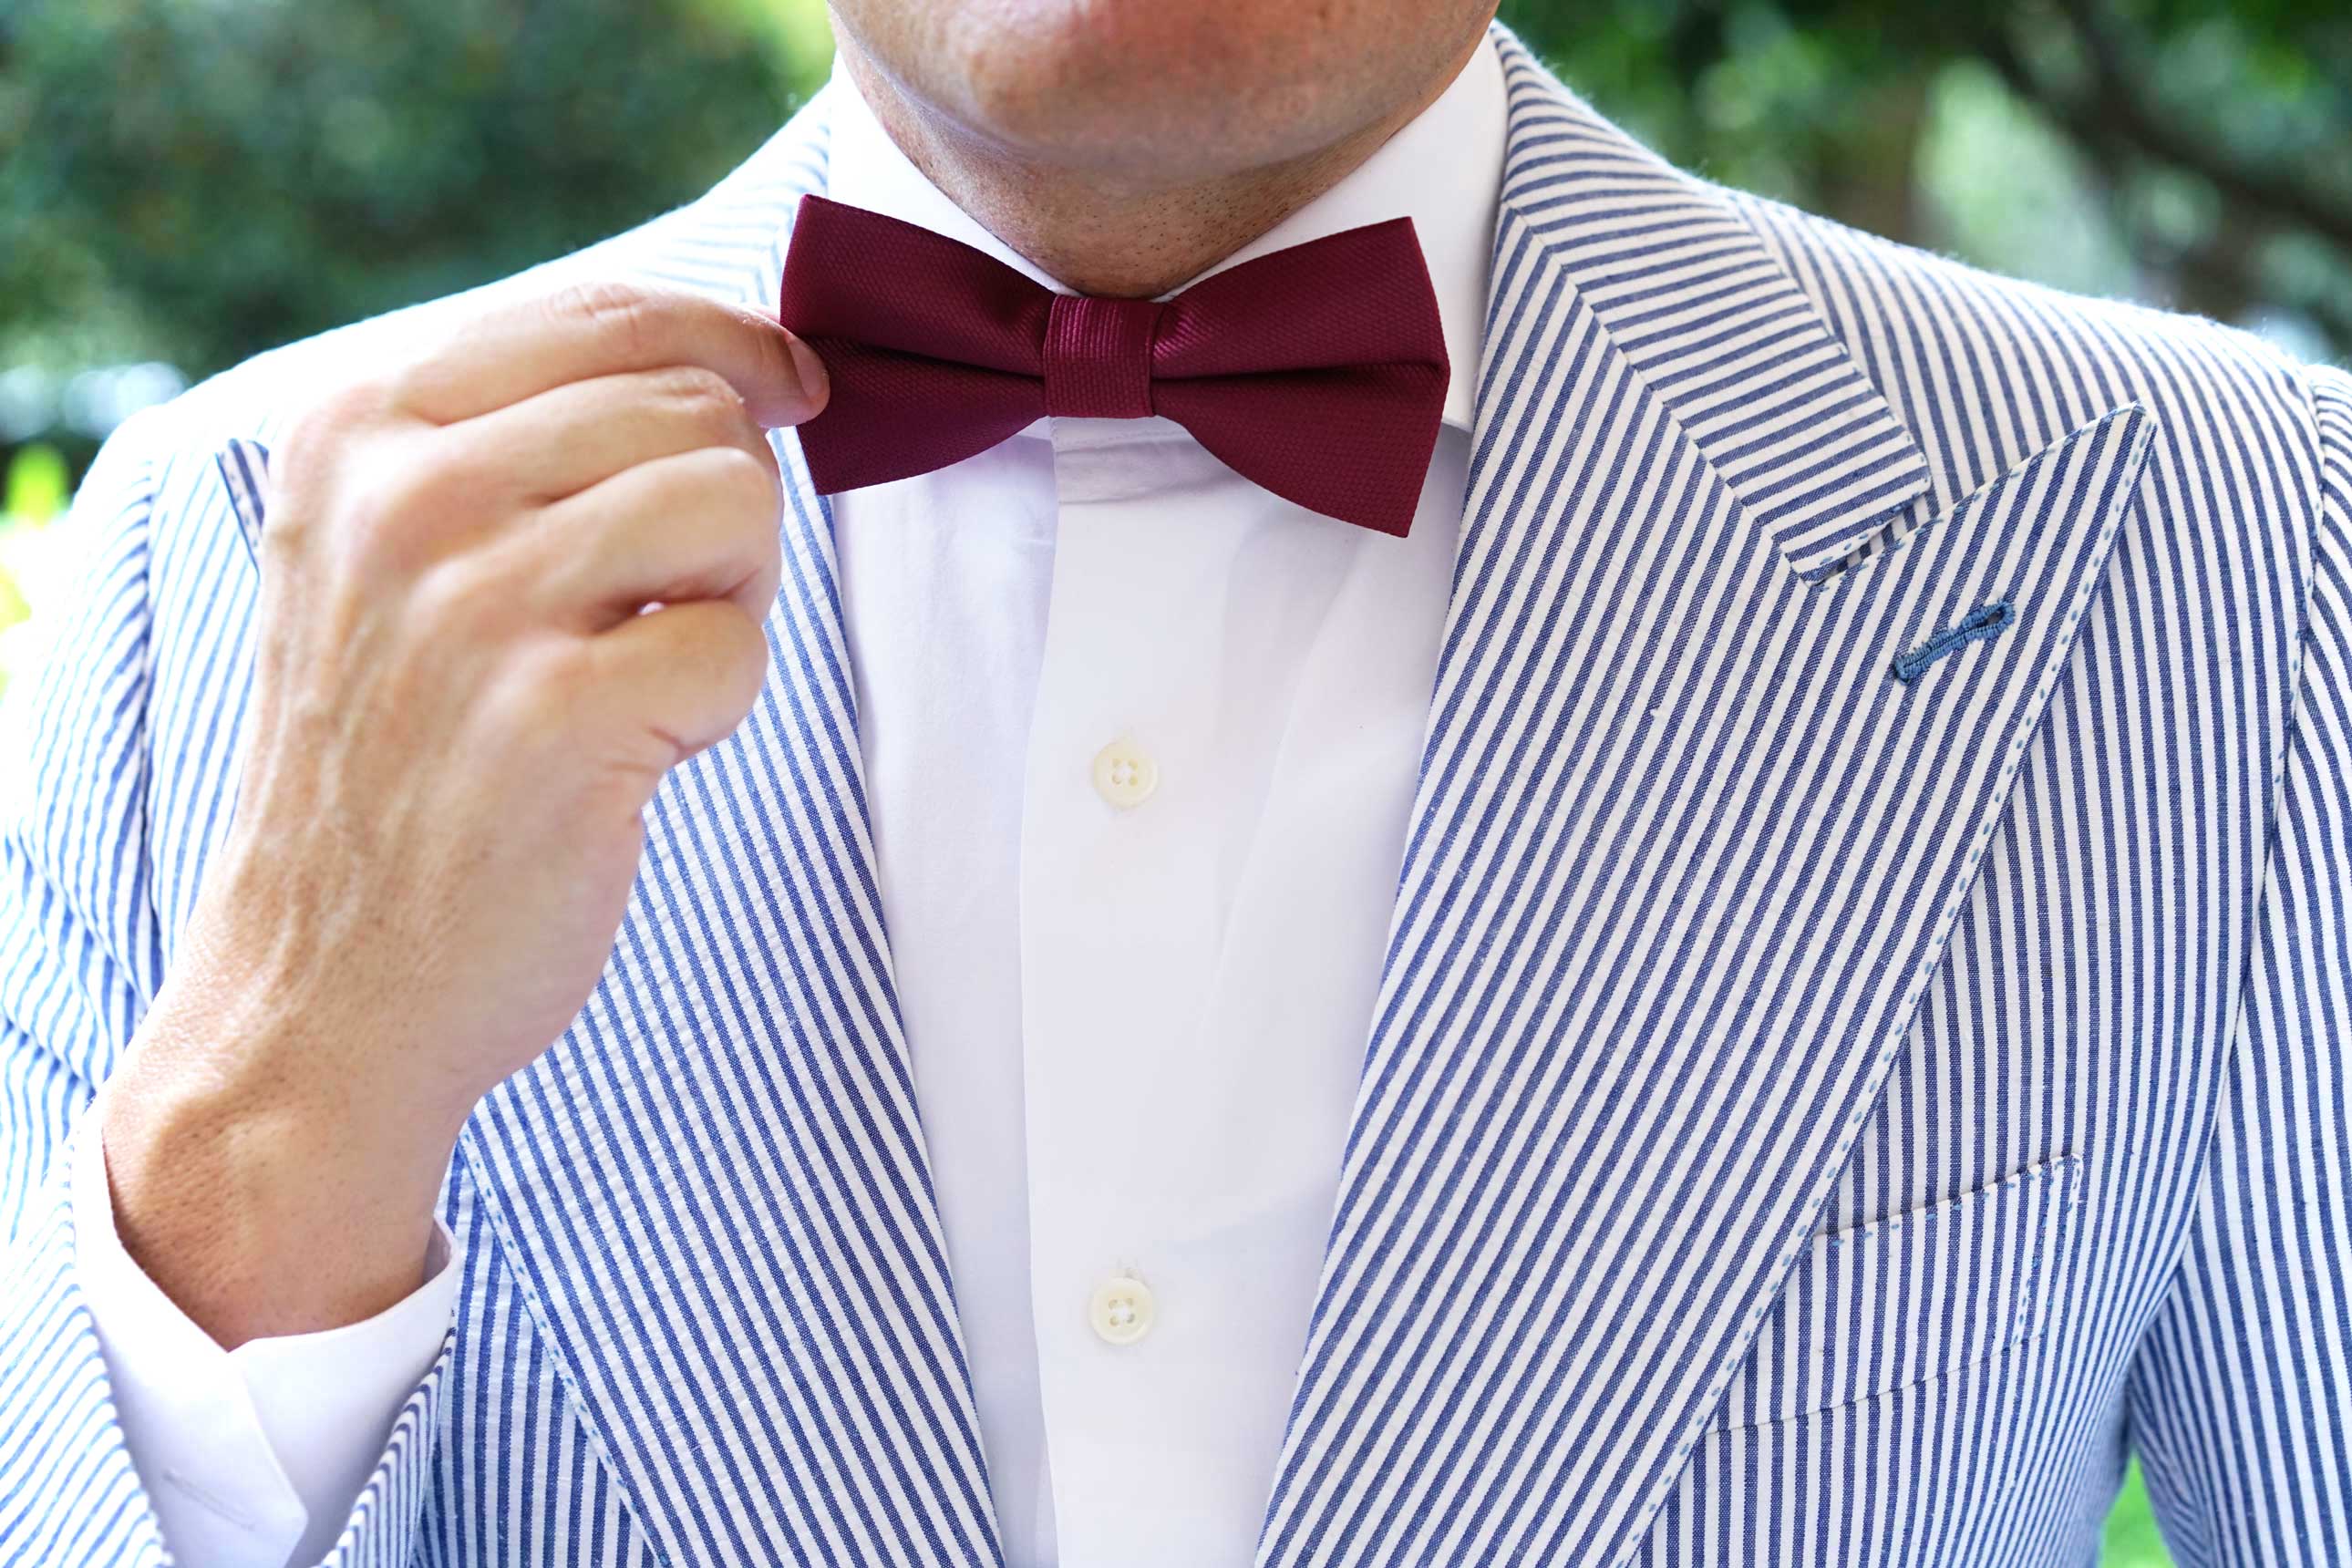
(1720, 332)
(1686, 853)
(713, 1189)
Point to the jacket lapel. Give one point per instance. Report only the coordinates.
(1686, 853)
(713, 1189)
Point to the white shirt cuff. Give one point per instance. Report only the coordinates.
(251, 1458)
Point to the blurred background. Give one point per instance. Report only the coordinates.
(183, 183)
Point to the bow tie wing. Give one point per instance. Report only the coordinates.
(930, 346)
(1320, 371)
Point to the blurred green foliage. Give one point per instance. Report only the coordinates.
(34, 487)
(194, 180)
(2195, 153)
(2132, 1540)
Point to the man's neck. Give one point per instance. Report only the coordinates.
(1101, 233)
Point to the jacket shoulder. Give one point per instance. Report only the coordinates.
(1986, 370)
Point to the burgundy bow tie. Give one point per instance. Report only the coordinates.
(1318, 372)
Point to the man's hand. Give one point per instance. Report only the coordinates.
(458, 715)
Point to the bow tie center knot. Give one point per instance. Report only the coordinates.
(1098, 357)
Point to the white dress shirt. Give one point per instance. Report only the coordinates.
(1141, 742)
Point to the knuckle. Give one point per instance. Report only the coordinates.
(363, 397)
(559, 686)
(314, 464)
(709, 404)
(396, 529)
(537, 702)
(463, 596)
(326, 423)
(746, 485)
(702, 394)
(749, 660)
(622, 313)
(729, 653)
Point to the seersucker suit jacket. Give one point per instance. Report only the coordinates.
(1863, 1038)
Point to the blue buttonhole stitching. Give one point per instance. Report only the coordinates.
(1989, 621)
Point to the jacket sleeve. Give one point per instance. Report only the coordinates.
(2241, 1406)
(81, 957)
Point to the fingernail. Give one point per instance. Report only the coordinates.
(810, 369)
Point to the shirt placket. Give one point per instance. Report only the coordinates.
(1119, 934)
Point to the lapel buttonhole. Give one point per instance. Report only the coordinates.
(1987, 621)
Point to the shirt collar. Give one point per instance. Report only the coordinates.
(1444, 170)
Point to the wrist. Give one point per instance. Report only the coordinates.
(261, 1202)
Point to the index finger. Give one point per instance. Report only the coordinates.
(527, 344)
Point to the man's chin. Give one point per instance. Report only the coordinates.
(1173, 93)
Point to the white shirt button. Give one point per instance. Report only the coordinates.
(1122, 1310)
(1124, 773)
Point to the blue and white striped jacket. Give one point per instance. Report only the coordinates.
(1825, 1105)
